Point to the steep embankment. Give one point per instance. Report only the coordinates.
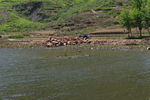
(67, 16)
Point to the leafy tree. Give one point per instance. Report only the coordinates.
(126, 20)
(137, 13)
(146, 18)
(137, 17)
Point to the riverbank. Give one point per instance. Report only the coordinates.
(21, 44)
(141, 44)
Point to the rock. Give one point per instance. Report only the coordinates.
(49, 44)
(148, 48)
(65, 44)
(63, 41)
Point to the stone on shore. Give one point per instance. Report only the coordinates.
(54, 41)
(148, 48)
(63, 41)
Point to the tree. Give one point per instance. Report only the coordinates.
(137, 17)
(137, 13)
(126, 20)
(146, 18)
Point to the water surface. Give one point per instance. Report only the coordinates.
(72, 74)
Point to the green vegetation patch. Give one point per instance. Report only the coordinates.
(59, 12)
(19, 35)
(18, 24)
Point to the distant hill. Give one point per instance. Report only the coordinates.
(68, 16)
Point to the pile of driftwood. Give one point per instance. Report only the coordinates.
(63, 41)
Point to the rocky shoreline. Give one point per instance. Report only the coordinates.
(72, 40)
(63, 41)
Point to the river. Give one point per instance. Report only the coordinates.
(74, 74)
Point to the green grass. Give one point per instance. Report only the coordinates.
(18, 35)
(18, 24)
(63, 11)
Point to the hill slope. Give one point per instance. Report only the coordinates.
(67, 16)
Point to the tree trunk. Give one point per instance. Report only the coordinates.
(129, 33)
(140, 30)
(148, 31)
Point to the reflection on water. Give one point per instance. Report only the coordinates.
(70, 74)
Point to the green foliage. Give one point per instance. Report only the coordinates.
(139, 15)
(126, 20)
(114, 12)
(4, 16)
(61, 25)
(54, 11)
(146, 16)
(139, 4)
(18, 35)
(18, 24)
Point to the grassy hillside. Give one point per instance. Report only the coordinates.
(67, 16)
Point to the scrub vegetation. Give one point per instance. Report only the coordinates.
(33, 21)
(69, 16)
